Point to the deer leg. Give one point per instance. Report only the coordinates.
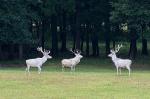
(74, 68)
(117, 70)
(39, 69)
(129, 70)
(71, 68)
(27, 69)
(62, 68)
(120, 70)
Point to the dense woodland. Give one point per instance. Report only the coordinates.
(81, 24)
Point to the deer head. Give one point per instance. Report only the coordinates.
(77, 53)
(113, 52)
(45, 52)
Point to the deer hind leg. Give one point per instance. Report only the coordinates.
(63, 68)
(128, 67)
(120, 71)
(117, 70)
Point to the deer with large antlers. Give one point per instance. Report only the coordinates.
(38, 62)
(120, 63)
(72, 62)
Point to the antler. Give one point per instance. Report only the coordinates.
(47, 51)
(78, 51)
(40, 49)
(118, 48)
(72, 51)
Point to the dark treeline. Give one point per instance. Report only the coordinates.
(54, 24)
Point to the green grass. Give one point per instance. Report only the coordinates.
(94, 79)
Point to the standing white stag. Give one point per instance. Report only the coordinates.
(72, 62)
(38, 62)
(120, 63)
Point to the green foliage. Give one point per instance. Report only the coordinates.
(15, 21)
(133, 12)
(50, 7)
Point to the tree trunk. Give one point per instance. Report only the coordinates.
(20, 51)
(95, 43)
(43, 32)
(107, 46)
(38, 33)
(82, 39)
(1, 53)
(144, 41)
(77, 14)
(144, 47)
(72, 20)
(64, 32)
(54, 35)
(11, 51)
(114, 44)
(107, 27)
(87, 40)
(133, 49)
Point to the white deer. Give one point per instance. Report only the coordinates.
(38, 62)
(72, 62)
(120, 63)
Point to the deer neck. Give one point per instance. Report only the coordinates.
(114, 58)
(77, 59)
(44, 59)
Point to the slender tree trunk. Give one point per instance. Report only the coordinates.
(64, 32)
(144, 41)
(72, 23)
(133, 49)
(82, 39)
(1, 53)
(38, 33)
(54, 35)
(77, 7)
(43, 32)
(78, 39)
(144, 47)
(107, 27)
(20, 51)
(87, 40)
(11, 51)
(95, 43)
(114, 44)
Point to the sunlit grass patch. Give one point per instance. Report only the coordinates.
(93, 79)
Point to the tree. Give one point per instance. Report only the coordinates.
(15, 24)
(134, 13)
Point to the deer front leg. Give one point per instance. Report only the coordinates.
(39, 69)
(120, 71)
(71, 68)
(28, 68)
(62, 68)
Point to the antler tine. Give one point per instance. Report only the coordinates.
(118, 48)
(78, 51)
(40, 49)
(47, 51)
(72, 51)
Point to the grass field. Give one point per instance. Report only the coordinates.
(94, 79)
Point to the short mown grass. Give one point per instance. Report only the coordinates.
(94, 78)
